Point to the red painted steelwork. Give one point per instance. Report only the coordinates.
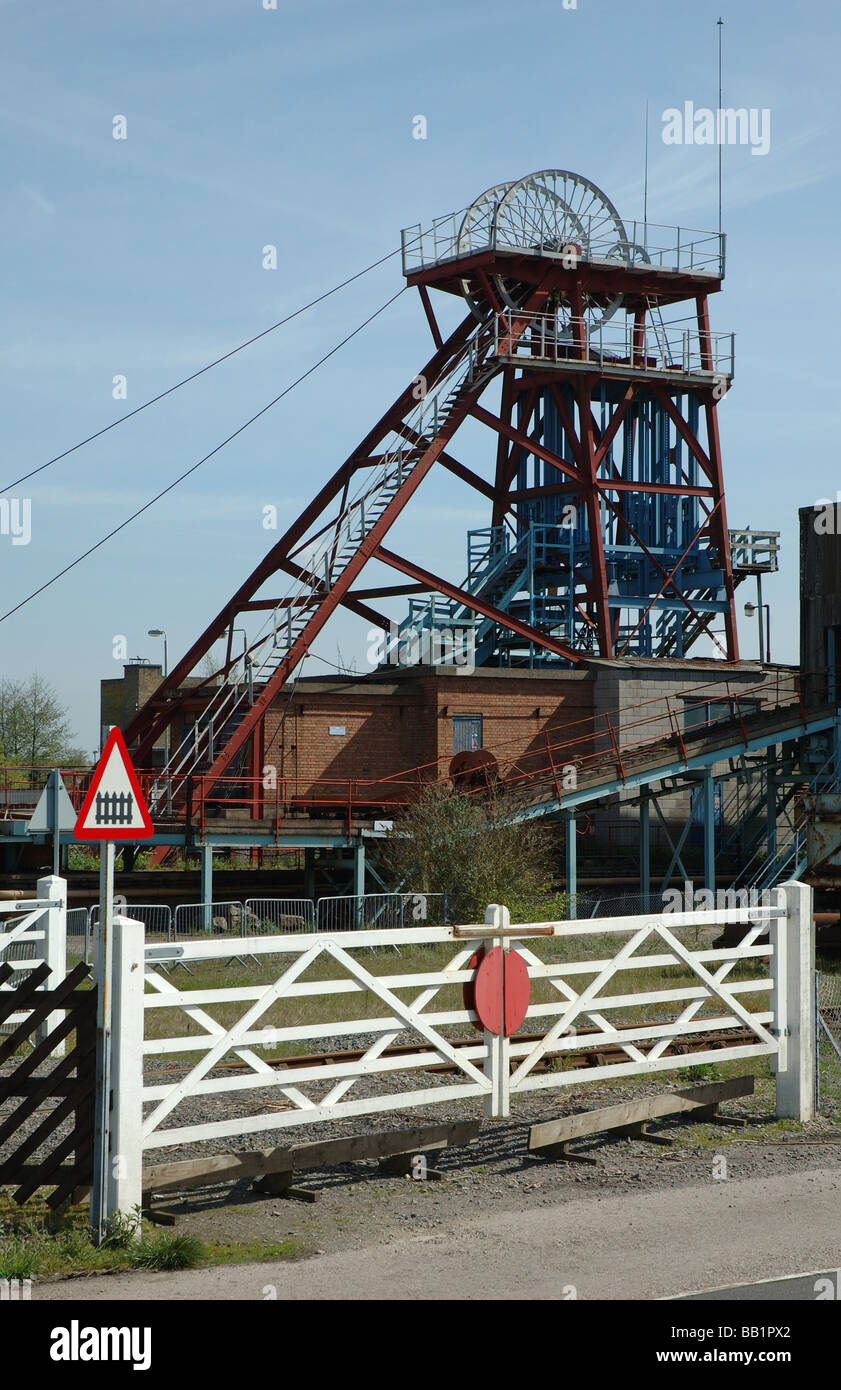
(581, 476)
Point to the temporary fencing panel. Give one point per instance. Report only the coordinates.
(156, 917)
(384, 911)
(198, 919)
(271, 915)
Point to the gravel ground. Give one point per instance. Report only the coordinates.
(357, 1204)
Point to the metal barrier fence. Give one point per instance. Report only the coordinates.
(79, 933)
(280, 915)
(380, 911)
(193, 919)
(267, 916)
(156, 917)
(828, 1043)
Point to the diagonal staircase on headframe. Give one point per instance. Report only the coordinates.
(322, 566)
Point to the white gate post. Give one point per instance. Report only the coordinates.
(497, 1102)
(53, 921)
(793, 970)
(125, 1158)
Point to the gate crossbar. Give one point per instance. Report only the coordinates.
(575, 1005)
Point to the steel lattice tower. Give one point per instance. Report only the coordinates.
(606, 529)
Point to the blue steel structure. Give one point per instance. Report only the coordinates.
(538, 567)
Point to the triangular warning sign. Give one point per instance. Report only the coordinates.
(114, 808)
(53, 804)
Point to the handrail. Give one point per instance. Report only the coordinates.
(580, 743)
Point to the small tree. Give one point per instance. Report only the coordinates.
(471, 848)
(34, 728)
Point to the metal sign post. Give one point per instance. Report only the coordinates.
(103, 946)
(114, 809)
(53, 814)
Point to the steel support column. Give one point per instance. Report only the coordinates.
(709, 831)
(645, 851)
(771, 802)
(206, 886)
(359, 883)
(571, 863)
(309, 874)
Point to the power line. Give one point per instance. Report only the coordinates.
(187, 379)
(195, 466)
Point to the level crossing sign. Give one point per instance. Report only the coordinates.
(114, 808)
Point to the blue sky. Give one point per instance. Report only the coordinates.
(293, 127)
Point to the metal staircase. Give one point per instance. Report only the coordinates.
(790, 861)
(320, 564)
(502, 573)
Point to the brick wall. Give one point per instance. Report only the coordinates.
(405, 719)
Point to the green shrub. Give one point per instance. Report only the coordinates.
(473, 849)
(167, 1252)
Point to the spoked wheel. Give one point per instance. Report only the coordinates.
(476, 233)
(552, 213)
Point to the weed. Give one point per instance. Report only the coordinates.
(17, 1260)
(706, 1071)
(167, 1252)
(122, 1229)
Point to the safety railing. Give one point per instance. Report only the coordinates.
(599, 749)
(451, 236)
(673, 347)
(658, 723)
(79, 933)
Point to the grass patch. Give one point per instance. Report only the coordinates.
(165, 1252)
(43, 1245)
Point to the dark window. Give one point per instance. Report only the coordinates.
(717, 710)
(467, 733)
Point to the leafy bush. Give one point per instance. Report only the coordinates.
(473, 849)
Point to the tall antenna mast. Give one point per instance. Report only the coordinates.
(719, 122)
(645, 180)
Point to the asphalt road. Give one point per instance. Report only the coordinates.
(800, 1288)
(650, 1245)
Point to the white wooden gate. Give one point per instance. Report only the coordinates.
(33, 931)
(594, 975)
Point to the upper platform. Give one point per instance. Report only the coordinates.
(511, 230)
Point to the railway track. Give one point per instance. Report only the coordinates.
(602, 1055)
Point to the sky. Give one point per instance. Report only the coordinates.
(248, 126)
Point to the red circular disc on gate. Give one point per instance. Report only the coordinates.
(517, 991)
(468, 989)
(501, 1011)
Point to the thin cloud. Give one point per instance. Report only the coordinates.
(38, 199)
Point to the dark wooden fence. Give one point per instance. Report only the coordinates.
(63, 1157)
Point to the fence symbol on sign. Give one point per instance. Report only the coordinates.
(114, 808)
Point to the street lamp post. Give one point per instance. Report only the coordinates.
(159, 632)
(764, 637)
